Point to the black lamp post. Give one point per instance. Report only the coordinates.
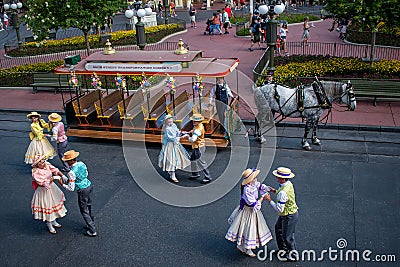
(165, 3)
(14, 7)
(275, 7)
(139, 25)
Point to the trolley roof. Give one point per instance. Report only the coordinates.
(152, 63)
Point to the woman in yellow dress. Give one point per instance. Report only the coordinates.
(39, 143)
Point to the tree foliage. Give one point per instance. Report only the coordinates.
(43, 16)
(367, 14)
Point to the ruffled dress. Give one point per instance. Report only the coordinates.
(173, 155)
(48, 200)
(39, 143)
(249, 228)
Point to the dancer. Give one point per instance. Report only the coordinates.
(78, 180)
(248, 228)
(59, 137)
(173, 155)
(39, 144)
(48, 200)
(198, 149)
(287, 210)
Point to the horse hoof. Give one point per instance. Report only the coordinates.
(316, 141)
(263, 140)
(306, 145)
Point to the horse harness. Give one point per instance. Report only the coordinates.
(322, 98)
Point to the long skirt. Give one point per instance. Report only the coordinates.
(249, 229)
(48, 204)
(173, 156)
(42, 147)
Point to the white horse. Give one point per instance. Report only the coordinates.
(309, 104)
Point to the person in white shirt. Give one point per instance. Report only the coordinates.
(286, 207)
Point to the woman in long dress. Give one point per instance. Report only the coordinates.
(48, 200)
(39, 143)
(248, 228)
(173, 155)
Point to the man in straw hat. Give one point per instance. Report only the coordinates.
(287, 210)
(198, 149)
(77, 180)
(59, 137)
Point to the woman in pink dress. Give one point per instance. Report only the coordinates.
(48, 200)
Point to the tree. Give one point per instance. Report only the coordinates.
(367, 14)
(46, 15)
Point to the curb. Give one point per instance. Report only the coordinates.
(14, 110)
(346, 127)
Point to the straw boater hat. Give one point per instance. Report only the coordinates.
(197, 117)
(283, 172)
(37, 158)
(34, 113)
(70, 154)
(249, 175)
(54, 117)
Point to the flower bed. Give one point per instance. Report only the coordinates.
(22, 76)
(288, 69)
(153, 34)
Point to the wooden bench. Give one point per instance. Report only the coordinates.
(376, 88)
(84, 106)
(108, 106)
(49, 81)
(52, 36)
(158, 108)
(183, 109)
(132, 108)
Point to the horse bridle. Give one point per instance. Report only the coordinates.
(351, 97)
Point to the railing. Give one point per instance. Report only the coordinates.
(261, 64)
(342, 50)
(10, 62)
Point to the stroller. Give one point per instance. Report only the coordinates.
(208, 27)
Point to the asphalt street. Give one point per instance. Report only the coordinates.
(347, 190)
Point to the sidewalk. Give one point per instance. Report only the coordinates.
(228, 46)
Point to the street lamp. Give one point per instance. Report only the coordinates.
(14, 6)
(275, 7)
(139, 25)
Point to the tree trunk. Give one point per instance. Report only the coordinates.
(86, 34)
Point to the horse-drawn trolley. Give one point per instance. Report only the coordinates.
(127, 94)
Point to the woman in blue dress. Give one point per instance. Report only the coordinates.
(173, 155)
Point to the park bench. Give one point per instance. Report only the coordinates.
(132, 106)
(84, 106)
(52, 36)
(108, 106)
(376, 88)
(49, 81)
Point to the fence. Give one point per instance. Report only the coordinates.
(330, 49)
(343, 50)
